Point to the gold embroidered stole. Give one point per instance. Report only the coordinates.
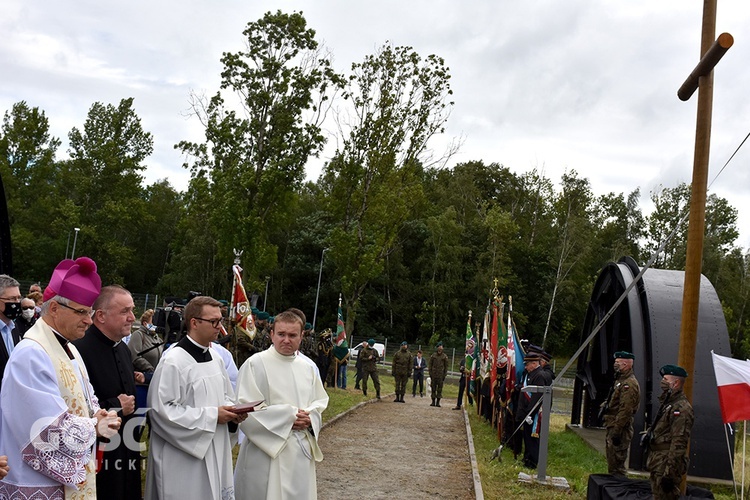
(72, 392)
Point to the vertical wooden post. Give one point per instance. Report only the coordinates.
(697, 224)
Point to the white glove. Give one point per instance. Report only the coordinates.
(528, 420)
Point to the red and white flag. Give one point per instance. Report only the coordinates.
(733, 379)
(243, 316)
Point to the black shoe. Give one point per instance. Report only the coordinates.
(433, 402)
(421, 395)
(457, 408)
(357, 387)
(396, 400)
(414, 395)
(437, 402)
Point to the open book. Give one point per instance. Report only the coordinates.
(248, 407)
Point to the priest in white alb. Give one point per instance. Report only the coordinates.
(277, 458)
(49, 414)
(191, 414)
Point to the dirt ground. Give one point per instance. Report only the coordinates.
(387, 450)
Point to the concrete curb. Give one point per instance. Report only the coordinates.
(358, 405)
(473, 458)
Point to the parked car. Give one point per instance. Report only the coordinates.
(380, 348)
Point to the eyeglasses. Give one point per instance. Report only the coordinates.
(11, 299)
(80, 312)
(214, 322)
(27, 308)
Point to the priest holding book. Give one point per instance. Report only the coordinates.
(192, 414)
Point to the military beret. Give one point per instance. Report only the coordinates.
(439, 344)
(308, 326)
(263, 315)
(371, 342)
(675, 370)
(404, 343)
(254, 310)
(532, 356)
(271, 319)
(223, 302)
(624, 355)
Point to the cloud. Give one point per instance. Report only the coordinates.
(581, 85)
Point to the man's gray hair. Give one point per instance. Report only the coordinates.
(7, 282)
(56, 298)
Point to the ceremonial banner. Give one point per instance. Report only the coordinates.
(469, 356)
(496, 319)
(340, 328)
(733, 381)
(515, 357)
(243, 317)
(485, 353)
(341, 348)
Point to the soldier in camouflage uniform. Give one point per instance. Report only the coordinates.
(620, 410)
(438, 371)
(369, 358)
(308, 342)
(668, 458)
(401, 365)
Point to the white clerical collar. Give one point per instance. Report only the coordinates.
(201, 347)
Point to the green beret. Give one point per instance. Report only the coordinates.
(624, 355)
(439, 344)
(263, 316)
(675, 370)
(404, 343)
(371, 342)
(271, 319)
(223, 302)
(254, 310)
(308, 326)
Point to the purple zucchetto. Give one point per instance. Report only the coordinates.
(75, 280)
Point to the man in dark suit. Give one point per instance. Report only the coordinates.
(110, 368)
(10, 309)
(419, 365)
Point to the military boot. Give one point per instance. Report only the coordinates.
(433, 402)
(437, 402)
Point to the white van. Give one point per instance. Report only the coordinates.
(379, 348)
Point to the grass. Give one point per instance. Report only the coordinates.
(569, 457)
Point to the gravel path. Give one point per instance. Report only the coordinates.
(387, 450)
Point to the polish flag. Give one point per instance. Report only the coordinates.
(733, 379)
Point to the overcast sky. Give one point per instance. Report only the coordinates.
(553, 84)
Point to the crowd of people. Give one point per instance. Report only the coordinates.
(77, 384)
(77, 380)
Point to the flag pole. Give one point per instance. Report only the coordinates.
(744, 440)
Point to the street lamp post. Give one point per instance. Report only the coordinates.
(75, 238)
(317, 294)
(67, 246)
(265, 297)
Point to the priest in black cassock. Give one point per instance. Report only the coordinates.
(110, 369)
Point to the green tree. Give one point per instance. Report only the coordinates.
(103, 181)
(28, 170)
(399, 102)
(260, 130)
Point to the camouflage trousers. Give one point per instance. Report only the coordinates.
(375, 382)
(401, 384)
(617, 455)
(665, 477)
(437, 387)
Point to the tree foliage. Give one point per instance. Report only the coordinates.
(411, 246)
